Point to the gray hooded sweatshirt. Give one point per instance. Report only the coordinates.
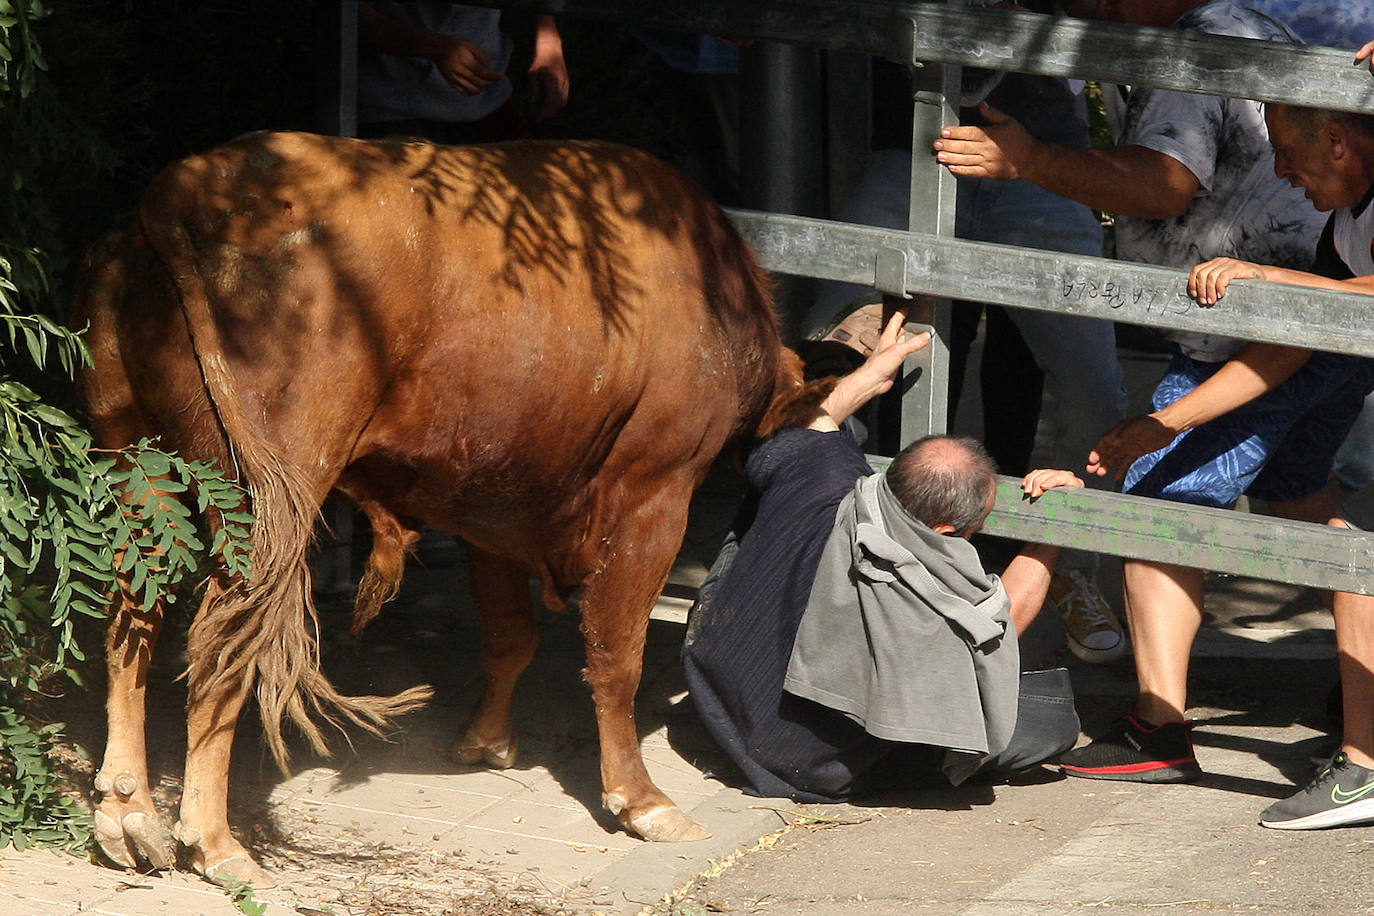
(906, 634)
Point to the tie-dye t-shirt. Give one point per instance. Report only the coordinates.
(1331, 23)
(1242, 210)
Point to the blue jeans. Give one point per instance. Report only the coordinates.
(1046, 726)
(1046, 722)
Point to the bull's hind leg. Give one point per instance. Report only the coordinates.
(617, 601)
(203, 823)
(501, 593)
(127, 827)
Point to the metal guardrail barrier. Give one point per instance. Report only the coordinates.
(1055, 282)
(1001, 40)
(933, 34)
(1259, 546)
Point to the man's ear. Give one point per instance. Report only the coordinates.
(944, 529)
(1335, 136)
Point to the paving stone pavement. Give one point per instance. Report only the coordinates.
(398, 821)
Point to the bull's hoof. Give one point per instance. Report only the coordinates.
(150, 837)
(135, 836)
(471, 750)
(663, 824)
(239, 870)
(110, 838)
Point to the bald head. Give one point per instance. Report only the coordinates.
(945, 481)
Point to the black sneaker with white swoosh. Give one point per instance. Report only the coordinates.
(1341, 795)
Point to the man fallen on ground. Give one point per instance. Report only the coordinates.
(1190, 180)
(850, 636)
(1331, 156)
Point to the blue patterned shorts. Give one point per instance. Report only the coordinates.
(1278, 447)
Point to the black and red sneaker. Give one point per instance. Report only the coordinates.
(1132, 751)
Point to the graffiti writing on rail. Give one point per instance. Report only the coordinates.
(1115, 294)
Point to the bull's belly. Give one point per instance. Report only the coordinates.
(508, 511)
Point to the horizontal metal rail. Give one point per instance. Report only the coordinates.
(1002, 40)
(1057, 282)
(1239, 543)
(1258, 546)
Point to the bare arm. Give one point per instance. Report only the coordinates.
(1256, 370)
(874, 377)
(1130, 180)
(1027, 576)
(1209, 280)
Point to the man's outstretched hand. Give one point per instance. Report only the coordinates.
(1127, 441)
(875, 376)
(1001, 149)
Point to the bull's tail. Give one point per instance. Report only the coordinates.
(258, 632)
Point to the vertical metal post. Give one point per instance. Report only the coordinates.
(336, 67)
(780, 146)
(848, 122)
(936, 89)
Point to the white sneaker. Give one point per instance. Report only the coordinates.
(1091, 627)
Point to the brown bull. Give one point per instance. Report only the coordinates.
(538, 347)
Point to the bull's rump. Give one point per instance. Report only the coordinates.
(473, 327)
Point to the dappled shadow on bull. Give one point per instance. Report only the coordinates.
(560, 212)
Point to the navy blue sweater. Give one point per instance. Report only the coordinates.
(746, 619)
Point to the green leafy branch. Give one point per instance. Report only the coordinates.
(73, 519)
(76, 524)
(33, 809)
(39, 335)
(20, 55)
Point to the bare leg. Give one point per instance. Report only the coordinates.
(1355, 644)
(1319, 507)
(1164, 606)
(1027, 581)
(501, 592)
(204, 823)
